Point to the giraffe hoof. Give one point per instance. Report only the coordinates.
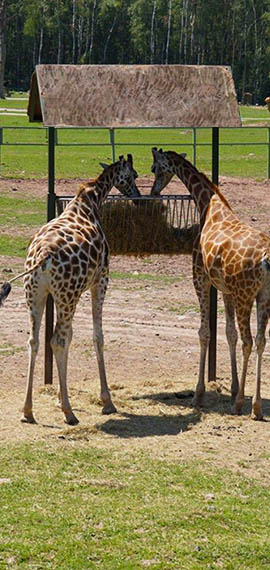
(256, 411)
(71, 420)
(197, 402)
(257, 418)
(237, 408)
(109, 409)
(28, 419)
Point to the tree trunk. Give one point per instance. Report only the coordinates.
(108, 39)
(59, 35)
(74, 31)
(3, 21)
(153, 43)
(168, 31)
(92, 31)
(245, 56)
(40, 43)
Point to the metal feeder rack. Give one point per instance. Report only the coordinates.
(167, 224)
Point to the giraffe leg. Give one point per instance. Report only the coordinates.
(231, 334)
(243, 317)
(260, 341)
(36, 308)
(60, 343)
(98, 293)
(202, 287)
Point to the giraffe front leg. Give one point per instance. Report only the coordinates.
(202, 287)
(98, 294)
(60, 343)
(231, 334)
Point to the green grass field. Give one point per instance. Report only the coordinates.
(74, 159)
(68, 508)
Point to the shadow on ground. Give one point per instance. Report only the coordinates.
(213, 403)
(136, 425)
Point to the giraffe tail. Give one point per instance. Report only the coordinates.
(4, 292)
(6, 287)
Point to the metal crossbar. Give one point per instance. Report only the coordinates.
(114, 143)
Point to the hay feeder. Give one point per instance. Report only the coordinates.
(163, 225)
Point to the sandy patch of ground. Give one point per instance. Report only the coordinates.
(151, 352)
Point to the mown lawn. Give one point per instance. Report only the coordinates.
(65, 508)
(21, 215)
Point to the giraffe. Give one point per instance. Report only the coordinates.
(233, 257)
(67, 256)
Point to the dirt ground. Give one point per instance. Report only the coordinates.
(152, 353)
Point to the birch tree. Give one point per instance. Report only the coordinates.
(168, 31)
(3, 22)
(153, 42)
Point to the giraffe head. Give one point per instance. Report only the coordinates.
(124, 176)
(162, 168)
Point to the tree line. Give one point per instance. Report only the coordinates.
(202, 32)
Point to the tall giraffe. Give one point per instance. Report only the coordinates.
(66, 257)
(233, 257)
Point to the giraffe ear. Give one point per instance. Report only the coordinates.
(104, 165)
(122, 159)
(130, 159)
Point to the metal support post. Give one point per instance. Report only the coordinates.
(268, 152)
(48, 359)
(212, 355)
(112, 141)
(194, 131)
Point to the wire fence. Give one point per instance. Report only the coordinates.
(116, 140)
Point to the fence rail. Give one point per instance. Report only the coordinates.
(113, 143)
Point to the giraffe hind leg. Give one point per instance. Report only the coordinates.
(231, 334)
(35, 311)
(60, 343)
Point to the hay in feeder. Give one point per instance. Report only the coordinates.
(144, 229)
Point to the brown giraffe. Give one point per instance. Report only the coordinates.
(233, 257)
(66, 257)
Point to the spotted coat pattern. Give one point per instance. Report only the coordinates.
(66, 257)
(233, 257)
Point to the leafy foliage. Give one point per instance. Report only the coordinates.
(228, 32)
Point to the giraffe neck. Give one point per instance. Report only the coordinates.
(101, 190)
(198, 185)
(91, 195)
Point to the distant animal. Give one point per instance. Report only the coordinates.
(66, 257)
(232, 256)
(267, 101)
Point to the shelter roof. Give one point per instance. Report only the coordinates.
(133, 96)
